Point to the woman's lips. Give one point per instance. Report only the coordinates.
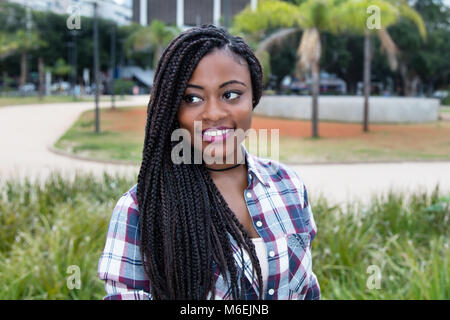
(226, 132)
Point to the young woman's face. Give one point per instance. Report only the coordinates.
(219, 96)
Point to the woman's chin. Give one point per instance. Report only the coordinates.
(217, 154)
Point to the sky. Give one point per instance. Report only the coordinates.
(128, 2)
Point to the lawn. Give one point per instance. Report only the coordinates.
(12, 100)
(45, 230)
(122, 136)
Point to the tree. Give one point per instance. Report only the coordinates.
(60, 69)
(424, 62)
(27, 40)
(8, 45)
(152, 38)
(52, 29)
(310, 16)
(375, 16)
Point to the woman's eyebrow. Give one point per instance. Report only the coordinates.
(221, 86)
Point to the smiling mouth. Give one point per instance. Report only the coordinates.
(216, 134)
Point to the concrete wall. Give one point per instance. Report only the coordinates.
(351, 108)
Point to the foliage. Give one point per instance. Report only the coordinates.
(7, 45)
(404, 235)
(122, 86)
(29, 40)
(45, 228)
(58, 37)
(61, 68)
(269, 15)
(264, 59)
(152, 38)
(426, 59)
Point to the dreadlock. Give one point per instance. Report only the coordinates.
(185, 222)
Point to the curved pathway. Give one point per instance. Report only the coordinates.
(27, 131)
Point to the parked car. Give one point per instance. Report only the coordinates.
(441, 94)
(62, 86)
(28, 88)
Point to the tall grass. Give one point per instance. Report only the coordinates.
(406, 241)
(44, 229)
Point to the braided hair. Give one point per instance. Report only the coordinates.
(185, 222)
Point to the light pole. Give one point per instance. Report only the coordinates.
(96, 73)
(121, 64)
(113, 63)
(227, 14)
(74, 62)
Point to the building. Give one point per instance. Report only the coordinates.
(119, 11)
(188, 13)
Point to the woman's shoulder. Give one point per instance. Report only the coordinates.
(129, 196)
(126, 208)
(279, 172)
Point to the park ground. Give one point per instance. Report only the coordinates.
(404, 234)
(18, 100)
(122, 134)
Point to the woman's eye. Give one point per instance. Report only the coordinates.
(231, 95)
(191, 99)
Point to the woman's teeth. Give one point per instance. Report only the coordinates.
(213, 133)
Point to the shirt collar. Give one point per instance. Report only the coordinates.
(255, 167)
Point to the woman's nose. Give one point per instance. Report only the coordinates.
(213, 111)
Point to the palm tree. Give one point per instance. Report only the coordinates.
(151, 38)
(312, 17)
(61, 69)
(8, 45)
(353, 16)
(27, 40)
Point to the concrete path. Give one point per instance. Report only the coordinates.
(27, 131)
(348, 182)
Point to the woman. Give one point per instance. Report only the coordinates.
(238, 227)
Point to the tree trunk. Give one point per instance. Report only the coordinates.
(41, 77)
(415, 81)
(315, 97)
(410, 81)
(23, 68)
(367, 61)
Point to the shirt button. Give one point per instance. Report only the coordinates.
(272, 253)
(258, 223)
(249, 195)
(271, 291)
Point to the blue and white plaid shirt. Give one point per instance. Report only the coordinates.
(278, 204)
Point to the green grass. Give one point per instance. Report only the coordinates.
(113, 144)
(45, 229)
(81, 140)
(406, 239)
(12, 100)
(326, 150)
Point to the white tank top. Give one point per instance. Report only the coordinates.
(261, 252)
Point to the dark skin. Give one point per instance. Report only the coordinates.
(219, 93)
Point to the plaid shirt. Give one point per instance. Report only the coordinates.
(278, 204)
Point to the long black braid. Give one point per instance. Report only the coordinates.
(185, 222)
